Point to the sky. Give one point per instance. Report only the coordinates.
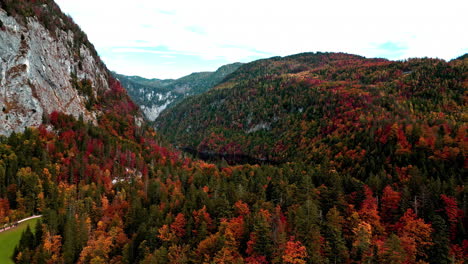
(173, 38)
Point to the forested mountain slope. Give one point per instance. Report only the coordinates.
(110, 192)
(364, 116)
(154, 95)
(399, 127)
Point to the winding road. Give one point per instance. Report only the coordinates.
(13, 225)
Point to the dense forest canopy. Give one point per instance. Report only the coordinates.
(372, 165)
(291, 108)
(112, 194)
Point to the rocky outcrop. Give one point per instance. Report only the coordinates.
(36, 69)
(155, 95)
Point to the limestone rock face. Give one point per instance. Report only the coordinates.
(35, 74)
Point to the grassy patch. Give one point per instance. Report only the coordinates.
(10, 238)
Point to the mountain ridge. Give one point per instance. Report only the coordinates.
(155, 95)
(258, 110)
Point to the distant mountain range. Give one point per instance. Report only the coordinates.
(155, 95)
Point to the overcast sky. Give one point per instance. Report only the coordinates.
(173, 38)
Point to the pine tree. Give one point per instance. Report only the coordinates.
(38, 232)
(336, 247)
(70, 253)
(27, 239)
(263, 241)
(439, 252)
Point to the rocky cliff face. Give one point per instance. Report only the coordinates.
(154, 95)
(36, 68)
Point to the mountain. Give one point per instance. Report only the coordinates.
(47, 65)
(381, 179)
(339, 107)
(154, 95)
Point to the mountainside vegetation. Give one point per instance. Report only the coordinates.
(108, 197)
(371, 158)
(362, 116)
(155, 95)
(112, 194)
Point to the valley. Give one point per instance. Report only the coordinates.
(154, 95)
(317, 157)
(231, 159)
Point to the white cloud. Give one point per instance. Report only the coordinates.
(146, 50)
(240, 30)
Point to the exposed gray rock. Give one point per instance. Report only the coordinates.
(36, 72)
(155, 95)
(153, 111)
(259, 126)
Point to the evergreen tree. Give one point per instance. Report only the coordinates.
(337, 251)
(27, 239)
(263, 241)
(38, 232)
(70, 246)
(439, 252)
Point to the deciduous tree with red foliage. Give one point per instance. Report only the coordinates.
(165, 233)
(295, 252)
(4, 211)
(242, 208)
(453, 213)
(415, 235)
(202, 216)
(369, 212)
(178, 226)
(256, 260)
(390, 204)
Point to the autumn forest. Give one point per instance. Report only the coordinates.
(358, 161)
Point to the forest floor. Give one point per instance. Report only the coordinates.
(11, 237)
